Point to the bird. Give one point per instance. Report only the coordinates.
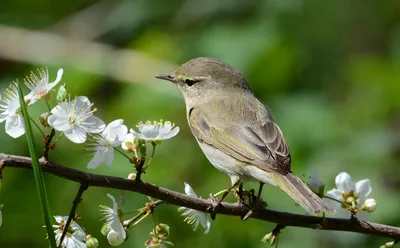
(236, 131)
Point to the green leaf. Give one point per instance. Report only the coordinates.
(41, 189)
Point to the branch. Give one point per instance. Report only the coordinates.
(72, 213)
(178, 199)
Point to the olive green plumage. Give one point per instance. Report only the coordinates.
(236, 131)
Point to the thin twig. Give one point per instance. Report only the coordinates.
(179, 199)
(72, 213)
(47, 143)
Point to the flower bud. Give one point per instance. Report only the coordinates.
(43, 119)
(105, 229)
(114, 238)
(369, 205)
(162, 231)
(132, 176)
(267, 237)
(62, 93)
(91, 242)
(388, 245)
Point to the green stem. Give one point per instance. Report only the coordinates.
(48, 105)
(40, 186)
(154, 226)
(152, 153)
(59, 137)
(336, 200)
(37, 126)
(123, 154)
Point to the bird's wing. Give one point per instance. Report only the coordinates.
(244, 132)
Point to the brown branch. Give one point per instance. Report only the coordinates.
(72, 213)
(178, 199)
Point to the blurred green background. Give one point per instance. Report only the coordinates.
(328, 70)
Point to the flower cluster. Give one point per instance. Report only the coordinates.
(75, 119)
(157, 237)
(10, 106)
(349, 198)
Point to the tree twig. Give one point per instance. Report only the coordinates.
(178, 199)
(72, 213)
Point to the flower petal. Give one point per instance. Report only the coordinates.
(59, 123)
(60, 109)
(99, 157)
(204, 221)
(170, 134)
(344, 182)
(116, 224)
(109, 156)
(189, 190)
(59, 76)
(363, 188)
(335, 193)
(15, 126)
(76, 135)
(93, 124)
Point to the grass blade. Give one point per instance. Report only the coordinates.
(41, 189)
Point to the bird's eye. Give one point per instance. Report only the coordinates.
(189, 82)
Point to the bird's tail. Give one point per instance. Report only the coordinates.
(299, 192)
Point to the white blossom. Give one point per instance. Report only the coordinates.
(11, 112)
(350, 194)
(75, 118)
(193, 216)
(155, 131)
(316, 185)
(39, 85)
(103, 144)
(114, 238)
(117, 233)
(129, 143)
(370, 205)
(74, 237)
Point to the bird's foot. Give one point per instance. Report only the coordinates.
(214, 209)
(255, 205)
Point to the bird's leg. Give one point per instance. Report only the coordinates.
(256, 205)
(216, 207)
(239, 194)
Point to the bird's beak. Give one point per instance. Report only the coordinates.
(167, 77)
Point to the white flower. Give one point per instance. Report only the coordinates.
(1, 215)
(350, 193)
(11, 112)
(194, 217)
(155, 131)
(75, 118)
(129, 143)
(316, 185)
(39, 85)
(117, 234)
(104, 143)
(73, 238)
(369, 205)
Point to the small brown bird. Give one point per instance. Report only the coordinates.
(235, 130)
